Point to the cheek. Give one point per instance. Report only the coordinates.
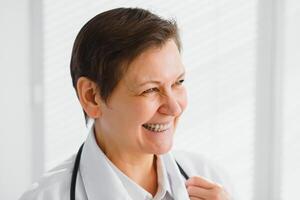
(142, 109)
(147, 106)
(183, 99)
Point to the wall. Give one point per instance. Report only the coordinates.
(15, 104)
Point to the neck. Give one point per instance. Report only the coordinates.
(141, 168)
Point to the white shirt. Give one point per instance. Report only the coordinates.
(134, 190)
(137, 192)
(99, 179)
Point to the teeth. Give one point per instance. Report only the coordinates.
(157, 127)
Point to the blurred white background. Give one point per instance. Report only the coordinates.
(243, 80)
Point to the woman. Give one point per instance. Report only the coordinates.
(128, 75)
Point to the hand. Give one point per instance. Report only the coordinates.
(200, 188)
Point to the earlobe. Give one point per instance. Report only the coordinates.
(89, 97)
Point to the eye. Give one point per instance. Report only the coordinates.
(180, 82)
(151, 90)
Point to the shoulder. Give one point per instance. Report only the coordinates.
(198, 165)
(54, 184)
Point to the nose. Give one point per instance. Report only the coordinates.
(170, 106)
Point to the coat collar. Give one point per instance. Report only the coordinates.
(98, 177)
(100, 180)
(177, 181)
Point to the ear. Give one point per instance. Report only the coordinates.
(89, 97)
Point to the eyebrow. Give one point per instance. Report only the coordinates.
(158, 82)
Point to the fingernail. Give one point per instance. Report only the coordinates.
(186, 184)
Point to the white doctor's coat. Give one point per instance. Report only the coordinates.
(96, 179)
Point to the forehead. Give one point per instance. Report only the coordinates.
(156, 63)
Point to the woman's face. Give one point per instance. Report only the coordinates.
(142, 113)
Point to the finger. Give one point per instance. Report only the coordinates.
(199, 192)
(219, 193)
(201, 182)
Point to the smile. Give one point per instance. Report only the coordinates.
(157, 127)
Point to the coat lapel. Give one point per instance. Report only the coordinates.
(177, 181)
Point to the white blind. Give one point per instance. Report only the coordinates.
(219, 51)
(219, 42)
(291, 103)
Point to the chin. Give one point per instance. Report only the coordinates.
(157, 142)
(162, 149)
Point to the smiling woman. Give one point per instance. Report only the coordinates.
(139, 119)
(128, 75)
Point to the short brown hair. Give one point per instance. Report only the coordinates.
(107, 43)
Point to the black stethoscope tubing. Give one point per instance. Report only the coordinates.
(76, 167)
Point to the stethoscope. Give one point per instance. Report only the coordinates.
(75, 172)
